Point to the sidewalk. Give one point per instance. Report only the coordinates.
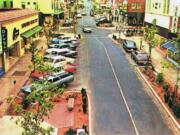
(19, 73)
(157, 56)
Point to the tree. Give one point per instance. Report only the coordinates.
(31, 121)
(176, 42)
(150, 32)
(33, 51)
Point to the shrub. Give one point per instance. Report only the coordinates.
(166, 97)
(83, 91)
(176, 110)
(170, 103)
(159, 78)
(25, 103)
(84, 99)
(84, 106)
(166, 87)
(70, 131)
(85, 128)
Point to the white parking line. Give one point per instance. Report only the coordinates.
(119, 86)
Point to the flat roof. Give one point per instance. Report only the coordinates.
(7, 15)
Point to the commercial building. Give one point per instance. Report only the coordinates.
(49, 10)
(18, 27)
(167, 16)
(131, 11)
(6, 3)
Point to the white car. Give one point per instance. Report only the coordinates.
(61, 52)
(58, 61)
(79, 15)
(87, 29)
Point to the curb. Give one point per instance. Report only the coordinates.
(160, 100)
(89, 105)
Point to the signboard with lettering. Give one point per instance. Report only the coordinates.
(4, 38)
(15, 33)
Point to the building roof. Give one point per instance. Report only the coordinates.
(12, 14)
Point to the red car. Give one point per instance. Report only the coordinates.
(70, 68)
(38, 74)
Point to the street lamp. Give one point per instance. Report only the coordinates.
(120, 25)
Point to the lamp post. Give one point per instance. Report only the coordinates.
(120, 25)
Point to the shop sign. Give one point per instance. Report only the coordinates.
(4, 38)
(15, 33)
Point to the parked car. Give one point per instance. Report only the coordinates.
(84, 13)
(74, 41)
(140, 57)
(129, 45)
(100, 18)
(69, 68)
(103, 21)
(58, 61)
(57, 35)
(61, 39)
(79, 15)
(63, 52)
(38, 74)
(86, 29)
(63, 45)
(57, 79)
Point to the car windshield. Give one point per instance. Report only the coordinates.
(130, 43)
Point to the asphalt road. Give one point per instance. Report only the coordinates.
(121, 104)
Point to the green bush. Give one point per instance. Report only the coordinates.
(159, 78)
(84, 99)
(170, 103)
(83, 91)
(176, 110)
(166, 87)
(70, 131)
(25, 103)
(84, 106)
(166, 97)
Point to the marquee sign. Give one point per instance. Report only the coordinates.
(15, 33)
(4, 38)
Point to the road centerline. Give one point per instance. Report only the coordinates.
(120, 88)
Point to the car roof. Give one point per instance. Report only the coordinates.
(129, 41)
(61, 44)
(57, 50)
(58, 74)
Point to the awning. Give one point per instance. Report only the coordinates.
(167, 45)
(37, 29)
(172, 49)
(31, 32)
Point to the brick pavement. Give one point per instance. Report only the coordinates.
(7, 86)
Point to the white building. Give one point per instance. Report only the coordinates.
(167, 15)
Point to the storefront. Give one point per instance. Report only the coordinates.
(18, 28)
